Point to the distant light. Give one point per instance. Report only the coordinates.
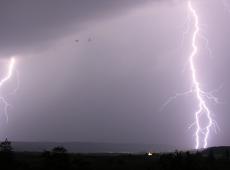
(150, 154)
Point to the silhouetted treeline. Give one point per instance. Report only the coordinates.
(59, 158)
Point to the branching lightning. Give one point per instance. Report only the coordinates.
(203, 108)
(202, 129)
(3, 81)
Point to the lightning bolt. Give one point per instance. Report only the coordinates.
(202, 130)
(200, 94)
(3, 81)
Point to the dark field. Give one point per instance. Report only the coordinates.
(59, 158)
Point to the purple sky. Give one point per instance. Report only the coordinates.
(111, 89)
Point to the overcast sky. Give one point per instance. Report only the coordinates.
(109, 86)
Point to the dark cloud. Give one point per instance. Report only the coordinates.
(29, 22)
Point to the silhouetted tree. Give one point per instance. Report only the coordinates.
(59, 158)
(6, 146)
(59, 150)
(6, 154)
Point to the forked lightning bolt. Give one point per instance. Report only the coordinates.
(200, 94)
(3, 82)
(202, 129)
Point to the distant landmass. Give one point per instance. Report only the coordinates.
(217, 151)
(87, 147)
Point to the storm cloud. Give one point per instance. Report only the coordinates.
(27, 23)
